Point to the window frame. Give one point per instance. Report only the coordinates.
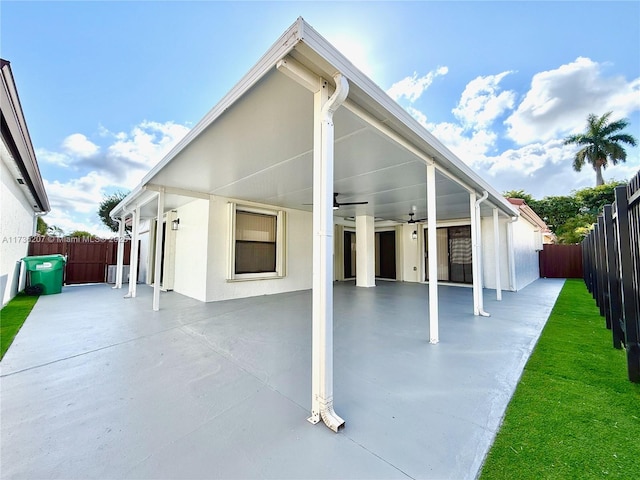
(280, 270)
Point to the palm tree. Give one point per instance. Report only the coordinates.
(601, 144)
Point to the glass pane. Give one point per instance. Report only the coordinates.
(255, 227)
(255, 257)
(255, 243)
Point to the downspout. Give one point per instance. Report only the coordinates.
(323, 256)
(512, 257)
(120, 252)
(478, 254)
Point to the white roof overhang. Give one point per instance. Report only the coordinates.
(16, 149)
(257, 145)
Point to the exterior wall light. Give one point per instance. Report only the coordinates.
(175, 224)
(414, 235)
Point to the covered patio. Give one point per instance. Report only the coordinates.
(308, 142)
(221, 389)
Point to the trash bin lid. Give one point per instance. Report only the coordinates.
(42, 262)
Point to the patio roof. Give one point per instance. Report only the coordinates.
(256, 145)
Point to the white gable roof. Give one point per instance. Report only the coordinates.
(256, 145)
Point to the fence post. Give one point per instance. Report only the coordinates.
(600, 270)
(615, 300)
(629, 299)
(604, 274)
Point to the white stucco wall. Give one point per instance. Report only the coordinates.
(144, 252)
(16, 226)
(191, 250)
(525, 242)
(298, 256)
(202, 254)
(489, 254)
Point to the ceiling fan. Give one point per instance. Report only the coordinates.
(337, 204)
(411, 215)
(414, 220)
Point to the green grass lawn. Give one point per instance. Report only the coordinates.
(574, 414)
(12, 316)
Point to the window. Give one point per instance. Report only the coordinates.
(257, 249)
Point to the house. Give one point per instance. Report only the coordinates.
(22, 197)
(307, 173)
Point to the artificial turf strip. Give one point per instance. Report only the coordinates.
(12, 316)
(574, 414)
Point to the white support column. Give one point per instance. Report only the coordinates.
(133, 267)
(158, 259)
(496, 247)
(434, 335)
(476, 256)
(365, 251)
(322, 322)
(120, 255)
(511, 254)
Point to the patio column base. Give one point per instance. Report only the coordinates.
(330, 418)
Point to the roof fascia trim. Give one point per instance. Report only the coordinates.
(15, 126)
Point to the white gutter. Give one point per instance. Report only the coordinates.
(120, 255)
(476, 240)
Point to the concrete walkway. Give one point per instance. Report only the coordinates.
(96, 386)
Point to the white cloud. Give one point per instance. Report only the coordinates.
(119, 165)
(559, 101)
(412, 87)
(78, 145)
(80, 195)
(132, 155)
(54, 158)
(482, 102)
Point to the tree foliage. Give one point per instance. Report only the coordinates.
(80, 234)
(601, 144)
(41, 227)
(108, 203)
(570, 217)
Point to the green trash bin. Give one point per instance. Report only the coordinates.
(47, 271)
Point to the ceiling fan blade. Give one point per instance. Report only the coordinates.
(352, 203)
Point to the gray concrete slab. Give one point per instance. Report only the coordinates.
(97, 386)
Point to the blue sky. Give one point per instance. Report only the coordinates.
(108, 87)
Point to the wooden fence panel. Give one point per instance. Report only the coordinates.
(86, 263)
(87, 259)
(561, 261)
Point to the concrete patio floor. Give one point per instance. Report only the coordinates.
(97, 386)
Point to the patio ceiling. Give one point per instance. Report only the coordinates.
(257, 145)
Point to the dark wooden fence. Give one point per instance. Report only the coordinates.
(87, 259)
(561, 261)
(611, 257)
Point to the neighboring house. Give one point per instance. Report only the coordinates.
(306, 172)
(23, 196)
(548, 237)
(524, 240)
